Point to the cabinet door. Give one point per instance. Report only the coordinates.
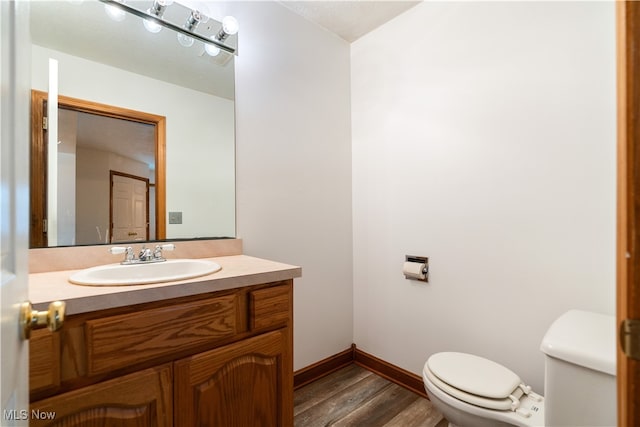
(242, 384)
(142, 399)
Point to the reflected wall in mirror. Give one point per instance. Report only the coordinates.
(120, 64)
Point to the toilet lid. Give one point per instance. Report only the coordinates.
(483, 402)
(474, 374)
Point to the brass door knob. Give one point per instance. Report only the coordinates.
(31, 319)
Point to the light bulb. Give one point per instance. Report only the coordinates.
(230, 25)
(156, 10)
(211, 49)
(151, 26)
(114, 12)
(185, 41)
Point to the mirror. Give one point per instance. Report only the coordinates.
(121, 67)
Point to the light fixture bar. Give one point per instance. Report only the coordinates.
(170, 25)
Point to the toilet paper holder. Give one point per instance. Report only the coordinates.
(416, 274)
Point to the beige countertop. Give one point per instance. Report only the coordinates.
(237, 271)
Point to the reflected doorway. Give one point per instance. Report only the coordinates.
(95, 139)
(128, 208)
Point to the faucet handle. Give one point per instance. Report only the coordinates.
(116, 250)
(128, 251)
(157, 251)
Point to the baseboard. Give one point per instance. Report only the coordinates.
(378, 366)
(391, 372)
(323, 368)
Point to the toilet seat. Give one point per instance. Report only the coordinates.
(475, 380)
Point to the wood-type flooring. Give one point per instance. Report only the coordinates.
(354, 396)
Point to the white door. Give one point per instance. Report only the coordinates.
(129, 208)
(14, 203)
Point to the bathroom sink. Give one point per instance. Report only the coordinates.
(144, 273)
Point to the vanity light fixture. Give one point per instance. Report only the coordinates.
(154, 21)
(156, 10)
(192, 23)
(230, 27)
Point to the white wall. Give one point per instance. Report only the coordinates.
(93, 181)
(483, 138)
(294, 166)
(200, 136)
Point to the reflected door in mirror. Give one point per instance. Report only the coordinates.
(129, 208)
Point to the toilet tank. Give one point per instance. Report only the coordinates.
(580, 369)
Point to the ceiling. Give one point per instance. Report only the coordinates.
(350, 20)
(96, 132)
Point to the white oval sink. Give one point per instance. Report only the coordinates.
(140, 274)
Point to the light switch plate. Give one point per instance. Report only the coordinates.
(175, 217)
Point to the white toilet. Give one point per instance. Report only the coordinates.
(580, 383)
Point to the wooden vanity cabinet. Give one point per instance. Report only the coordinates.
(219, 359)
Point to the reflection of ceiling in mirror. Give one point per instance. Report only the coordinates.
(128, 139)
(84, 30)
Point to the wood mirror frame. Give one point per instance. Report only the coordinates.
(38, 166)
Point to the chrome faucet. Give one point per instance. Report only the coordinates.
(146, 255)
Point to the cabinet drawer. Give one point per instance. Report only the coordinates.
(119, 341)
(270, 307)
(44, 360)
